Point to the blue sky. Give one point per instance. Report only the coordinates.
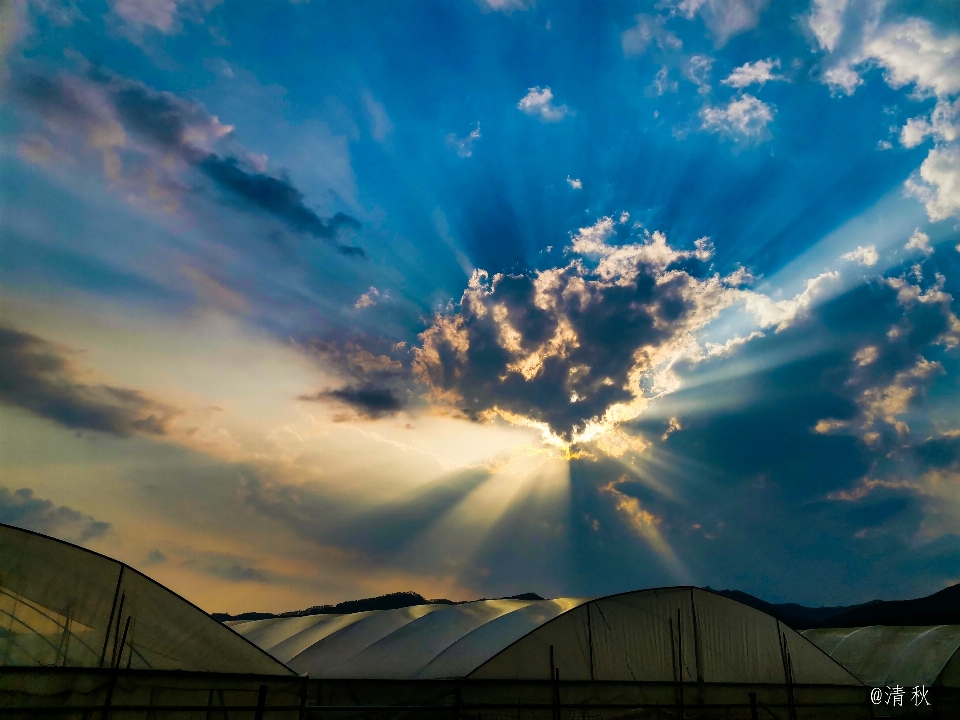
(317, 300)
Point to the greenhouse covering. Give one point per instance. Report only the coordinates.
(907, 656)
(64, 606)
(666, 635)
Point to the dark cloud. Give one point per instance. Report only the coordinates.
(377, 382)
(21, 509)
(103, 109)
(278, 197)
(227, 567)
(563, 346)
(155, 557)
(369, 401)
(36, 377)
(939, 452)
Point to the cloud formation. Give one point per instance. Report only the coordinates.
(375, 385)
(539, 103)
(724, 18)
(755, 73)
(463, 146)
(743, 119)
(35, 376)
(121, 117)
(165, 16)
(649, 29)
(22, 509)
(574, 351)
(864, 255)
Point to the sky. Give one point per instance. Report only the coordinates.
(309, 301)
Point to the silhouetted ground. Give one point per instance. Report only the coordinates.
(391, 601)
(941, 608)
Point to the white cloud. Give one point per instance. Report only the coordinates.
(507, 6)
(380, 125)
(864, 255)
(919, 241)
(368, 299)
(826, 22)
(662, 83)
(754, 73)
(743, 118)
(884, 145)
(539, 103)
(938, 184)
(697, 70)
(942, 125)
(649, 29)
(724, 18)
(165, 16)
(910, 52)
(464, 145)
(574, 183)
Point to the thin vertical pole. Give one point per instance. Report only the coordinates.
(113, 609)
(590, 640)
(753, 706)
(116, 634)
(261, 702)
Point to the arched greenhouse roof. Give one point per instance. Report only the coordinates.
(888, 655)
(661, 635)
(65, 606)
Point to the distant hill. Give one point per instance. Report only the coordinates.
(941, 608)
(391, 601)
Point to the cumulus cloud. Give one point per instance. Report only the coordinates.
(864, 255)
(724, 18)
(22, 509)
(755, 73)
(937, 184)
(124, 118)
(37, 377)
(920, 242)
(463, 146)
(649, 29)
(911, 52)
(943, 125)
(539, 103)
(744, 119)
(825, 21)
(368, 299)
(574, 183)
(573, 351)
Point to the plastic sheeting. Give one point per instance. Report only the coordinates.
(64, 606)
(669, 635)
(886, 655)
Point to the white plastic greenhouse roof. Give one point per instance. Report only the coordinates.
(660, 635)
(891, 655)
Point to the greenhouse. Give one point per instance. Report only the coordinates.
(886, 657)
(82, 633)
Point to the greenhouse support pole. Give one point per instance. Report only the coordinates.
(753, 706)
(261, 702)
